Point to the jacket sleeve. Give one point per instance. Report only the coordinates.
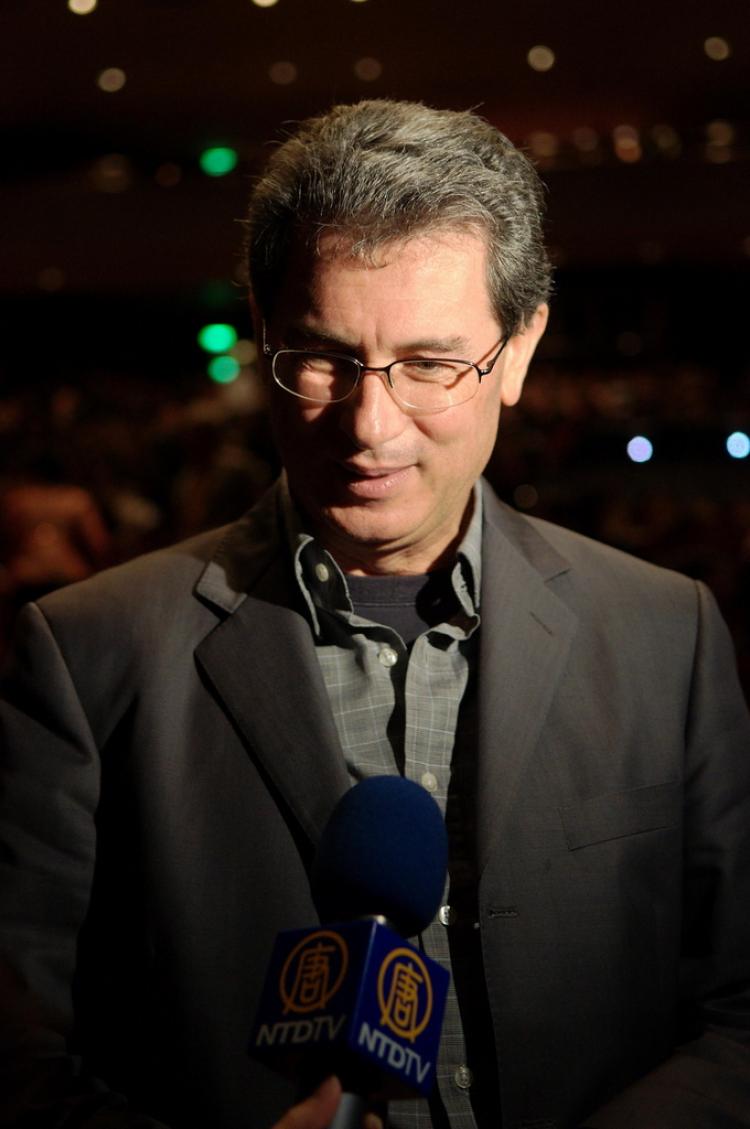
(49, 789)
(705, 1084)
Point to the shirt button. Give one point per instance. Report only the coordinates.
(322, 572)
(463, 1077)
(446, 915)
(429, 781)
(387, 656)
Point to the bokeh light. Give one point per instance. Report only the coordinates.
(585, 138)
(223, 369)
(218, 160)
(168, 175)
(112, 173)
(640, 449)
(111, 80)
(50, 279)
(717, 48)
(368, 69)
(218, 337)
(627, 143)
(666, 139)
(245, 351)
(541, 58)
(525, 496)
(720, 132)
(738, 445)
(544, 144)
(282, 73)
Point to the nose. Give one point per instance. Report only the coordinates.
(370, 416)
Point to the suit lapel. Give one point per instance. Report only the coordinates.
(262, 665)
(525, 637)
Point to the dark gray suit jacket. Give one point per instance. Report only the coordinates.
(170, 759)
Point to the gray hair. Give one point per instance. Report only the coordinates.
(381, 171)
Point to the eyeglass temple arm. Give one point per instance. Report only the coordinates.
(486, 371)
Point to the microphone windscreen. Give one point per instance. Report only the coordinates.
(384, 851)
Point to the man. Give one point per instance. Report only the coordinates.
(179, 729)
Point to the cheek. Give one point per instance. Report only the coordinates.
(465, 442)
(295, 426)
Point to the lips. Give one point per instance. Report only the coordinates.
(374, 482)
(370, 471)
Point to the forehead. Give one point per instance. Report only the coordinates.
(433, 275)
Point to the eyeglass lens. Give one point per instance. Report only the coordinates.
(429, 384)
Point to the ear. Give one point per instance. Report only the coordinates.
(518, 353)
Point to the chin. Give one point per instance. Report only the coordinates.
(372, 533)
(347, 526)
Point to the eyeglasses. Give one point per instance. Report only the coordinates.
(419, 385)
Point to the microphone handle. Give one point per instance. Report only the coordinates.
(350, 1112)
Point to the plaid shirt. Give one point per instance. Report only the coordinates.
(372, 679)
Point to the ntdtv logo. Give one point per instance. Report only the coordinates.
(405, 993)
(352, 998)
(313, 972)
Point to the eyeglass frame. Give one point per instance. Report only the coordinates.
(386, 369)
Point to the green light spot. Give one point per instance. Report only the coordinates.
(223, 369)
(217, 337)
(218, 161)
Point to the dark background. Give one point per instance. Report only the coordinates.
(117, 248)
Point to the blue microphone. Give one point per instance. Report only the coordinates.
(384, 852)
(352, 997)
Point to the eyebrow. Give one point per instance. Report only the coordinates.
(298, 334)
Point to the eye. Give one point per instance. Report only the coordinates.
(321, 363)
(433, 369)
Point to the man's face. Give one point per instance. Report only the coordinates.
(386, 491)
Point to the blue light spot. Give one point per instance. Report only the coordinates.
(738, 445)
(640, 449)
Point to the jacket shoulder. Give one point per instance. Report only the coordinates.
(146, 582)
(211, 571)
(556, 550)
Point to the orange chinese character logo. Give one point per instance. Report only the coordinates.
(313, 972)
(404, 994)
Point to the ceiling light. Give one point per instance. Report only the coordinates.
(541, 58)
(111, 80)
(368, 69)
(282, 73)
(717, 48)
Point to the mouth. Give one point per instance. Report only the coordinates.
(374, 482)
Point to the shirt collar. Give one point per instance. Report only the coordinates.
(323, 584)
